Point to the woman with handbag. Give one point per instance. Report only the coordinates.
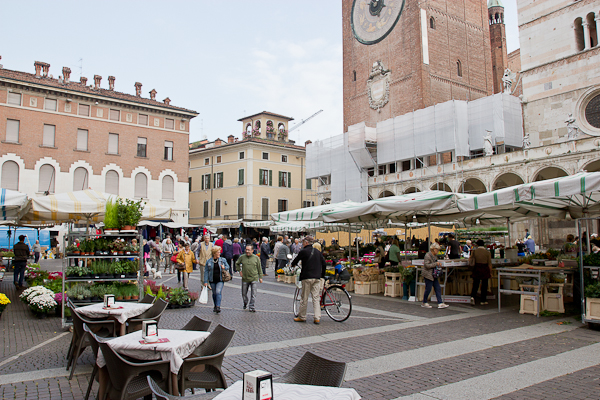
(216, 273)
(186, 258)
(168, 250)
(481, 265)
(431, 269)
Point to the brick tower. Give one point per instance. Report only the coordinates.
(404, 55)
(497, 42)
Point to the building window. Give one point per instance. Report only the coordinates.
(283, 158)
(169, 123)
(113, 143)
(392, 168)
(48, 138)
(458, 68)
(285, 179)
(114, 115)
(405, 165)
(217, 208)
(240, 177)
(141, 147)
(432, 23)
(309, 184)
(10, 175)
(143, 119)
(14, 98)
(307, 203)
(205, 181)
(47, 178)
(206, 161)
(189, 184)
(382, 169)
(205, 213)
(218, 159)
(419, 163)
(168, 188)
(371, 171)
(141, 186)
(353, 76)
(82, 139)
(265, 177)
(168, 150)
(265, 209)
(324, 180)
(282, 205)
(80, 179)
(241, 155)
(111, 182)
(84, 110)
(265, 156)
(12, 131)
(218, 180)
(241, 208)
(592, 112)
(591, 26)
(50, 104)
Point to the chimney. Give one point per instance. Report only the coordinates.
(45, 69)
(111, 83)
(97, 80)
(307, 143)
(230, 139)
(218, 142)
(38, 69)
(153, 94)
(138, 89)
(66, 74)
(167, 101)
(83, 80)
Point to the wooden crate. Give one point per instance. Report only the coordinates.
(592, 308)
(280, 278)
(554, 301)
(350, 284)
(290, 279)
(374, 286)
(362, 287)
(529, 302)
(393, 289)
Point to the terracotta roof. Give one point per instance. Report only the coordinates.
(267, 113)
(201, 146)
(78, 87)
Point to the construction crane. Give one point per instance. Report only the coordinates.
(304, 121)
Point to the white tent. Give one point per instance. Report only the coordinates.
(311, 213)
(258, 224)
(224, 223)
(12, 204)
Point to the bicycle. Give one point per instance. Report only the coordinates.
(335, 299)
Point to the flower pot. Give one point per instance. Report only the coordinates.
(119, 297)
(136, 297)
(120, 253)
(128, 228)
(127, 297)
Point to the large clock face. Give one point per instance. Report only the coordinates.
(373, 20)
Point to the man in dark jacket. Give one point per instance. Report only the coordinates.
(313, 269)
(21, 251)
(265, 251)
(228, 253)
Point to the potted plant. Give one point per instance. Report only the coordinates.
(408, 284)
(119, 270)
(133, 214)
(111, 216)
(592, 301)
(118, 292)
(72, 250)
(41, 305)
(4, 302)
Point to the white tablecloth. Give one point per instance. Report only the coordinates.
(180, 345)
(129, 310)
(286, 391)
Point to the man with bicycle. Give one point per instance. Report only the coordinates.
(313, 269)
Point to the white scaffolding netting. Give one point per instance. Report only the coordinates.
(500, 114)
(357, 145)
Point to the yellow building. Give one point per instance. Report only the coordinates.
(251, 178)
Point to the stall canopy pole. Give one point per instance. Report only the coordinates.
(349, 241)
(429, 231)
(406, 247)
(508, 226)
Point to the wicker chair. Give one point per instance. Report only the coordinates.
(210, 354)
(148, 299)
(315, 370)
(152, 314)
(128, 378)
(197, 324)
(104, 328)
(94, 342)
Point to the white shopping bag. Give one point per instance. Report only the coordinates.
(204, 295)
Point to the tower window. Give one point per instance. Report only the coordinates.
(459, 68)
(579, 37)
(432, 23)
(354, 76)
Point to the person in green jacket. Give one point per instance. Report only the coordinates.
(251, 271)
(394, 253)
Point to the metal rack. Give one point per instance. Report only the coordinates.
(582, 268)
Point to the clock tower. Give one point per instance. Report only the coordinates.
(404, 55)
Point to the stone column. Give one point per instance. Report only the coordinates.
(586, 35)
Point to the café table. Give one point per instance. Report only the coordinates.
(289, 391)
(180, 345)
(121, 315)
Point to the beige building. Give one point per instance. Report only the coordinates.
(251, 178)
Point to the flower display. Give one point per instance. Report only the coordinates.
(4, 301)
(29, 294)
(43, 303)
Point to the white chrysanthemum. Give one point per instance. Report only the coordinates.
(43, 302)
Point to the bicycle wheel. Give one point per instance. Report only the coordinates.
(337, 303)
(297, 297)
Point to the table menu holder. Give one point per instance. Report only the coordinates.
(258, 385)
(150, 331)
(109, 300)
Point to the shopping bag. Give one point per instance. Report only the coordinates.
(204, 295)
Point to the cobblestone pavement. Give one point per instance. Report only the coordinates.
(394, 349)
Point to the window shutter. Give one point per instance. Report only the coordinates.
(261, 177)
(241, 208)
(82, 139)
(215, 180)
(240, 177)
(48, 139)
(50, 104)
(10, 175)
(206, 208)
(280, 179)
(208, 181)
(168, 188)
(202, 185)
(141, 185)
(14, 98)
(289, 182)
(265, 209)
(220, 179)
(111, 184)
(84, 110)
(12, 130)
(46, 182)
(217, 208)
(270, 178)
(115, 115)
(308, 184)
(80, 179)
(113, 143)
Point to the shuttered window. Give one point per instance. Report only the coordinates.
(111, 182)
(218, 180)
(80, 179)
(265, 209)
(115, 115)
(168, 150)
(240, 176)
(141, 186)
(168, 188)
(82, 139)
(205, 209)
(241, 208)
(47, 178)
(169, 123)
(309, 184)
(285, 179)
(205, 181)
(141, 147)
(217, 208)
(143, 119)
(50, 104)
(14, 98)
(10, 175)
(282, 205)
(265, 177)
(12, 130)
(84, 109)
(48, 139)
(113, 143)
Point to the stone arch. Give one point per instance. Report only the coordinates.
(472, 186)
(444, 187)
(579, 36)
(506, 180)
(459, 71)
(592, 166)
(549, 173)
(386, 193)
(412, 189)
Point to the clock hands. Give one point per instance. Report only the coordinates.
(375, 7)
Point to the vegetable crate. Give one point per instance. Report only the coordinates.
(592, 308)
(393, 289)
(554, 301)
(374, 287)
(362, 287)
(529, 302)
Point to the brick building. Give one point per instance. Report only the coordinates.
(58, 135)
(497, 43)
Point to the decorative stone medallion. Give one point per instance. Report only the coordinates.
(378, 86)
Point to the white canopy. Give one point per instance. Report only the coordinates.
(258, 224)
(311, 213)
(224, 223)
(304, 226)
(12, 203)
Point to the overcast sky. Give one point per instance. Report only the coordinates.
(224, 59)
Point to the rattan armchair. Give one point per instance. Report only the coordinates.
(210, 354)
(315, 370)
(148, 299)
(152, 314)
(197, 324)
